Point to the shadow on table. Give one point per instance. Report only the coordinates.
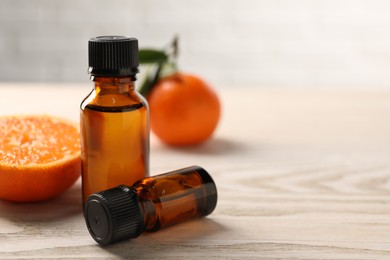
(66, 205)
(169, 241)
(215, 146)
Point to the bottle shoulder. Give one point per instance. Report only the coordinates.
(111, 101)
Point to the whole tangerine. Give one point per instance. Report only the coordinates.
(184, 110)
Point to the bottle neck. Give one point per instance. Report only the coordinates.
(148, 210)
(114, 84)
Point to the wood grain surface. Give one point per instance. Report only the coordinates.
(301, 174)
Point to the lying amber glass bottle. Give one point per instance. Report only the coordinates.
(152, 203)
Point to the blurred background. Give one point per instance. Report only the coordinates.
(279, 43)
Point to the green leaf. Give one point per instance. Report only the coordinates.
(150, 80)
(147, 56)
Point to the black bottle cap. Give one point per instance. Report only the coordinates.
(113, 215)
(113, 56)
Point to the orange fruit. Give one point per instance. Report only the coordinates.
(39, 157)
(184, 110)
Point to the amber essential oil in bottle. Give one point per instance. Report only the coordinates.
(152, 203)
(114, 118)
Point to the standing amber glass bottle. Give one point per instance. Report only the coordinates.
(114, 118)
(152, 203)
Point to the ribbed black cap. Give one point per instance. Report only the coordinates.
(113, 56)
(113, 215)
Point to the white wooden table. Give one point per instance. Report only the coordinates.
(300, 173)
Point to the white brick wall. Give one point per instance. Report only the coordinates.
(315, 43)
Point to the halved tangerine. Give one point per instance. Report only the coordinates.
(39, 157)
